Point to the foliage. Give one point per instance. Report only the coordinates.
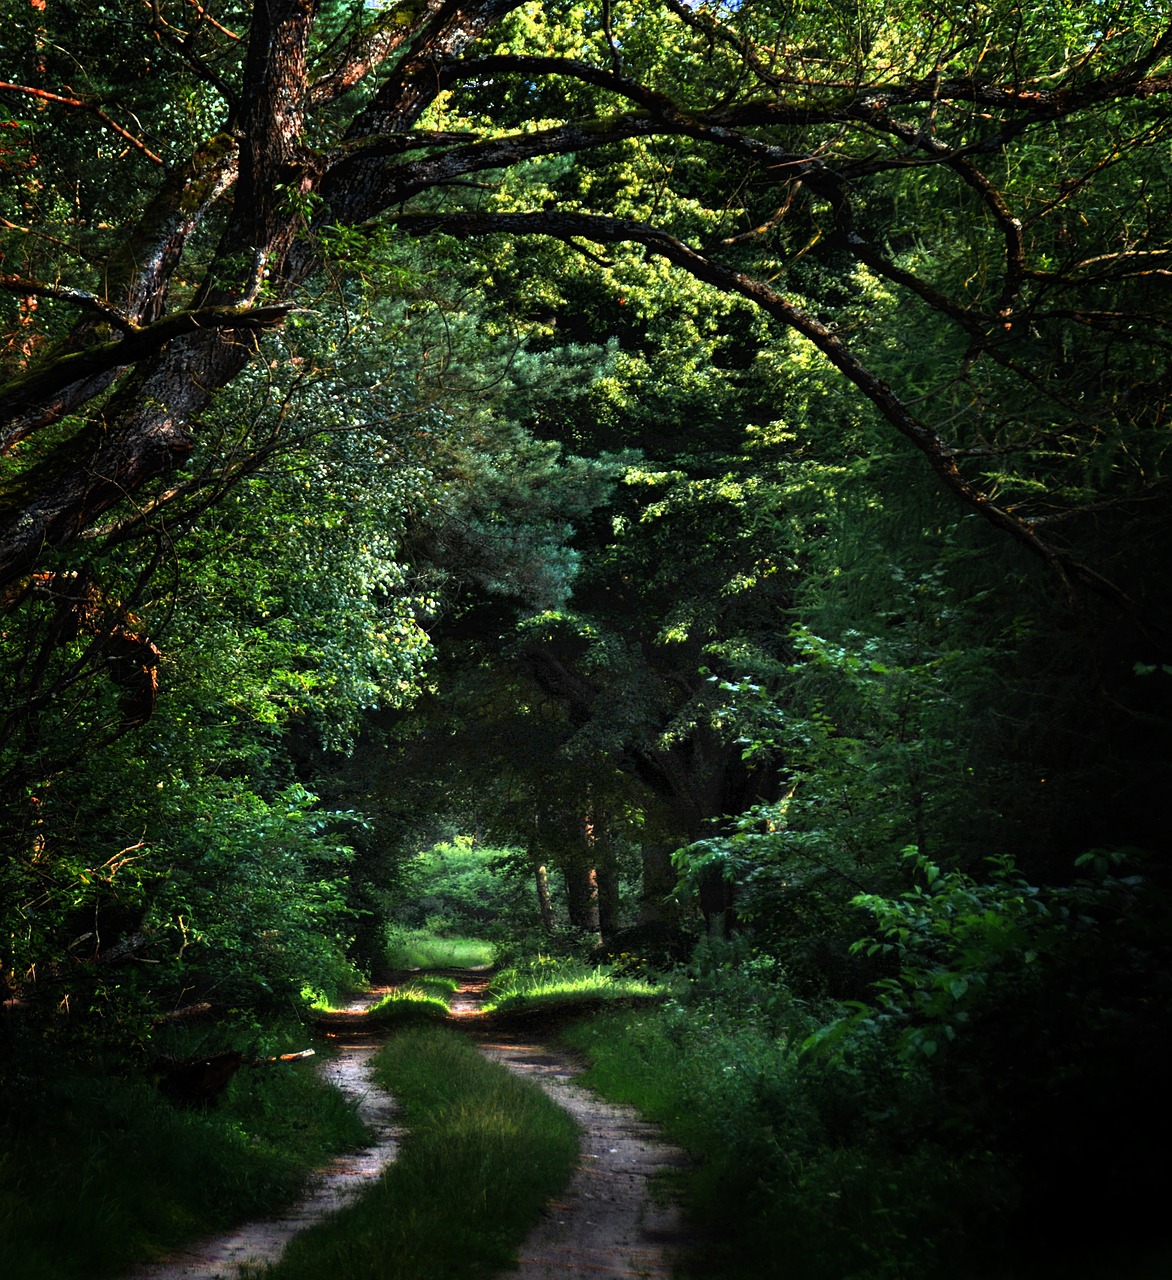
(1021, 1002)
(454, 888)
(971, 1102)
(101, 1172)
(478, 1139)
(794, 1163)
(759, 411)
(419, 949)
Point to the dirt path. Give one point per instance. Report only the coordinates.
(221, 1257)
(608, 1223)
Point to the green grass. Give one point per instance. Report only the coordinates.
(549, 983)
(99, 1171)
(438, 985)
(792, 1177)
(419, 949)
(414, 1003)
(484, 1153)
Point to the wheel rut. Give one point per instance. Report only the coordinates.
(611, 1221)
(228, 1256)
(615, 1219)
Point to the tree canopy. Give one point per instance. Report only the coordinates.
(715, 452)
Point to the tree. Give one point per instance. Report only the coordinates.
(943, 223)
(831, 123)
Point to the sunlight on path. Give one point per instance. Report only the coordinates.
(222, 1257)
(608, 1223)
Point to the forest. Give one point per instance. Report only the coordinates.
(665, 499)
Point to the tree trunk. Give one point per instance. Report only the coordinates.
(582, 896)
(717, 897)
(544, 903)
(659, 879)
(607, 878)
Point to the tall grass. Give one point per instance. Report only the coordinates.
(795, 1173)
(484, 1153)
(550, 982)
(420, 949)
(100, 1171)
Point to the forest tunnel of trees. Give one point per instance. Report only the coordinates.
(712, 455)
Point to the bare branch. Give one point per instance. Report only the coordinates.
(76, 104)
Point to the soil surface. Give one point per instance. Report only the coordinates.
(341, 1182)
(610, 1221)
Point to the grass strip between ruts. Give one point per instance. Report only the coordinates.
(483, 1154)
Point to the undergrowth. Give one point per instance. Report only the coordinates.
(1004, 1076)
(485, 1151)
(791, 1177)
(100, 1171)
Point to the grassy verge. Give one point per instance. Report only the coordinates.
(545, 983)
(485, 1151)
(794, 1176)
(419, 949)
(100, 1171)
(797, 1175)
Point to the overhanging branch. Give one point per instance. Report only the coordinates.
(78, 104)
(939, 455)
(20, 397)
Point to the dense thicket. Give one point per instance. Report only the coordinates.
(756, 416)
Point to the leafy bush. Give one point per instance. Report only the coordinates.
(794, 1161)
(1008, 1071)
(1032, 1009)
(452, 888)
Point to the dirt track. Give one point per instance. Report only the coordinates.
(611, 1220)
(221, 1257)
(608, 1223)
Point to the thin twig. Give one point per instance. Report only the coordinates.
(77, 104)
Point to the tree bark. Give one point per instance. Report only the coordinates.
(544, 902)
(659, 879)
(582, 895)
(606, 875)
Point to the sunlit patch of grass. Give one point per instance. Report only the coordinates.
(411, 1004)
(101, 1171)
(435, 984)
(422, 998)
(547, 982)
(484, 1152)
(419, 949)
